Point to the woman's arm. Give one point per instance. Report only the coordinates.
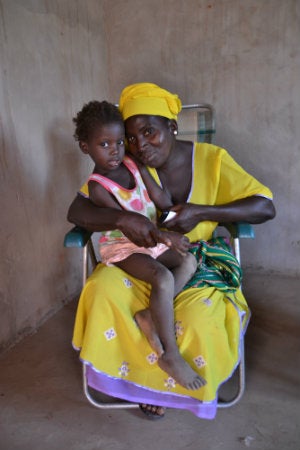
(253, 210)
(140, 230)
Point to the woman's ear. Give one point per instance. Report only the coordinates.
(173, 127)
(83, 147)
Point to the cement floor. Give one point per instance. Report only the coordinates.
(43, 408)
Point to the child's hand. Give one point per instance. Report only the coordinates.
(174, 240)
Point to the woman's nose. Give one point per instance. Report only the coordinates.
(141, 143)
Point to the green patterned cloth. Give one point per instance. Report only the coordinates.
(217, 266)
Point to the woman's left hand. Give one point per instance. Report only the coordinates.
(187, 217)
(254, 209)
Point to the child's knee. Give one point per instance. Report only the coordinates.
(191, 263)
(163, 276)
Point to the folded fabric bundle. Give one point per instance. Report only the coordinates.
(216, 265)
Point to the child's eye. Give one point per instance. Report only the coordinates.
(121, 142)
(104, 144)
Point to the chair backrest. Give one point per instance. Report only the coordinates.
(197, 122)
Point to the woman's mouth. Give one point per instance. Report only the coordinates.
(147, 157)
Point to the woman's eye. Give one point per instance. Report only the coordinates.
(148, 131)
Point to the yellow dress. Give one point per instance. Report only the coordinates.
(209, 323)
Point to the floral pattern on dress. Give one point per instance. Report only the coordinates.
(127, 282)
(152, 358)
(170, 383)
(135, 199)
(124, 369)
(207, 301)
(179, 329)
(110, 334)
(199, 361)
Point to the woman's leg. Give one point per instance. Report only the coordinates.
(161, 307)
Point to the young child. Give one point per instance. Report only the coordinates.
(117, 183)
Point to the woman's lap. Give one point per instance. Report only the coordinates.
(208, 329)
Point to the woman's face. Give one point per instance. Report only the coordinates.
(150, 138)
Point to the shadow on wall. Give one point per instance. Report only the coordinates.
(67, 170)
(38, 275)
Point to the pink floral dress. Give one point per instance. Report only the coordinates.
(113, 245)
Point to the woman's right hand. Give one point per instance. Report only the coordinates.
(138, 229)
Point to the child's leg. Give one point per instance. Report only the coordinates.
(145, 268)
(161, 307)
(182, 267)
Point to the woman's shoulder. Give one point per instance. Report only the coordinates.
(208, 151)
(208, 147)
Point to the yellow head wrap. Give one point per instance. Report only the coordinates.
(149, 99)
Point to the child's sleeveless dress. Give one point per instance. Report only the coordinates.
(113, 245)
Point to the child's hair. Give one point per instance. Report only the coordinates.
(92, 115)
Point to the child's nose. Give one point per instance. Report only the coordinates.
(114, 148)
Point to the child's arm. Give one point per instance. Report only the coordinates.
(159, 197)
(101, 197)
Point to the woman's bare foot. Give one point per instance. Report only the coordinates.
(178, 368)
(146, 324)
(153, 412)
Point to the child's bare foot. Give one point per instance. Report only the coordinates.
(146, 324)
(178, 368)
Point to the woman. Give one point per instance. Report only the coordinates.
(207, 187)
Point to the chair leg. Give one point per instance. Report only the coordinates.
(88, 251)
(126, 405)
(241, 386)
(236, 246)
(100, 404)
(84, 264)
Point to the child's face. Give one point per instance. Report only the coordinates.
(106, 146)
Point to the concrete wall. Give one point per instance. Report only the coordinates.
(244, 58)
(53, 59)
(241, 56)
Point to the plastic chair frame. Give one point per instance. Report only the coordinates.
(80, 238)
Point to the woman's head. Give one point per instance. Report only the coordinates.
(101, 134)
(150, 114)
(148, 99)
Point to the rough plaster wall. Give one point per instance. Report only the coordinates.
(241, 56)
(244, 58)
(52, 61)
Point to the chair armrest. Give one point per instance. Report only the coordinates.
(239, 229)
(77, 237)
